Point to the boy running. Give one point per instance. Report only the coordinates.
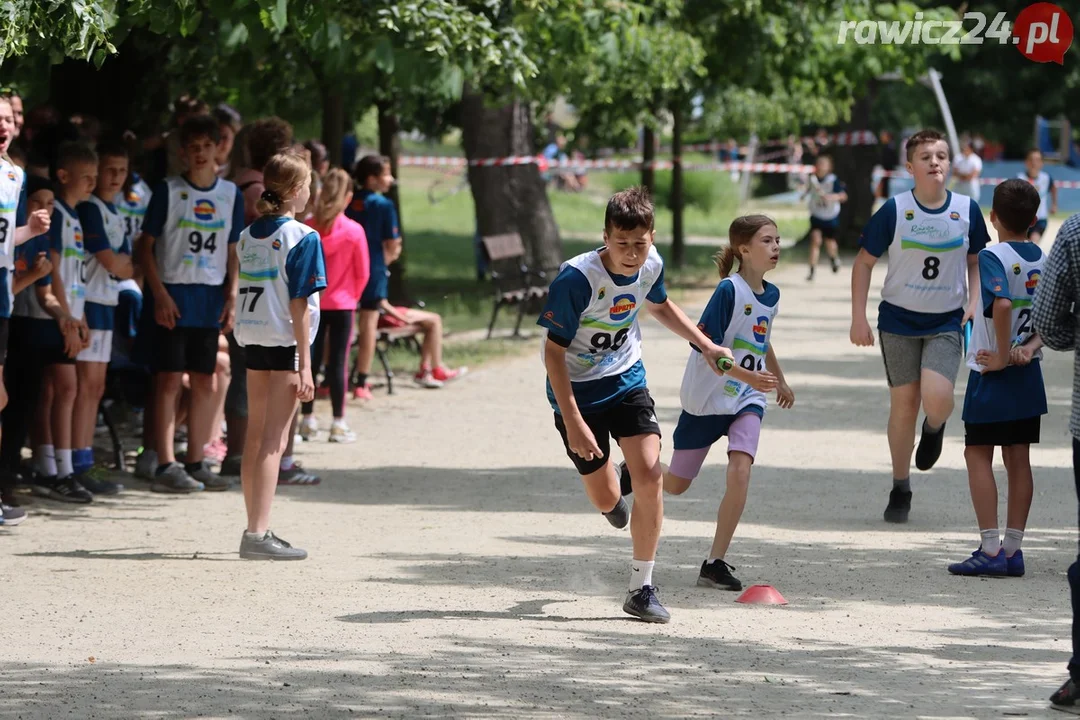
(596, 379)
(1048, 194)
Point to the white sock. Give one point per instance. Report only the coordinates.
(45, 460)
(712, 560)
(991, 542)
(1013, 538)
(339, 423)
(286, 462)
(640, 574)
(63, 463)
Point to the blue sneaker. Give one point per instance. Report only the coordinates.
(644, 604)
(1016, 564)
(982, 564)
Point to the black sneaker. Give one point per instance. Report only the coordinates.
(929, 447)
(899, 506)
(66, 489)
(625, 486)
(718, 575)
(230, 466)
(646, 605)
(1067, 698)
(811, 275)
(619, 516)
(835, 264)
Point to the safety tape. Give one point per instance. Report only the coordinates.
(982, 181)
(442, 161)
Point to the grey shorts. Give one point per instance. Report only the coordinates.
(906, 357)
(236, 395)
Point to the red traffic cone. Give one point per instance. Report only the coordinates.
(761, 595)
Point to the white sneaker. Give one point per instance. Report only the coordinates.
(146, 465)
(341, 434)
(309, 428)
(427, 380)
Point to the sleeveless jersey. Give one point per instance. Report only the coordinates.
(195, 246)
(102, 287)
(1041, 182)
(262, 312)
(608, 339)
(819, 208)
(132, 208)
(703, 392)
(1023, 277)
(928, 256)
(12, 179)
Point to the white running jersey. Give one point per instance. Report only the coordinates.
(12, 180)
(262, 312)
(608, 338)
(132, 208)
(72, 257)
(195, 246)
(704, 392)
(1023, 277)
(102, 287)
(819, 208)
(1041, 182)
(928, 256)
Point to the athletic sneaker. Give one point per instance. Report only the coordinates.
(309, 429)
(718, 575)
(296, 475)
(626, 487)
(174, 479)
(268, 547)
(11, 516)
(1016, 564)
(146, 465)
(66, 489)
(619, 516)
(811, 275)
(362, 392)
(899, 506)
(1067, 698)
(215, 451)
(341, 434)
(929, 446)
(445, 375)
(646, 605)
(835, 264)
(427, 380)
(210, 480)
(982, 564)
(230, 466)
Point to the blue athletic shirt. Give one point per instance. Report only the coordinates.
(568, 296)
(304, 264)
(94, 238)
(200, 306)
(1017, 391)
(376, 213)
(876, 238)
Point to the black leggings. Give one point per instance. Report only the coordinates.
(337, 324)
(23, 377)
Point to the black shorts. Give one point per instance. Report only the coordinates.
(4, 332)
(185, 349)
(264, 357)
(633, 415)
(1038, 227)
(1003, 434)
(828, 228)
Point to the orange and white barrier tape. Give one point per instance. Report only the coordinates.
(545, 164)
(982, 181)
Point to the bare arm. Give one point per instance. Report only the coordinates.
(579, 437)
(1053, 199)
(861, 271)
(42, 266)
(301, 323)
(392, 311)
(232, 281)
(973, 287)
(391, 250)
(144, 252)
(59, 292)
(118, 264)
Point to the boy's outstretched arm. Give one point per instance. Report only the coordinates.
(861, 333)
(578, 435)
(674, 319)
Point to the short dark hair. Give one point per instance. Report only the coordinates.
(226, 115)
(630, 209)
(317, 150)
(923, 137)
(112, 147)
(369, 166)
(71, 153)
(266, 138)
(1033, 151)
(1016, 203)
(199, 126)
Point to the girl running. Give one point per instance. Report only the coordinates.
(281, 272)
(740, 315)
(348, 268)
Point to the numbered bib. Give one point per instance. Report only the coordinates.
(194, 248)
(1023, 278)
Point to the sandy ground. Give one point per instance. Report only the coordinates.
(457, 570)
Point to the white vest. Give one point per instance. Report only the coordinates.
(1042, 184)
(12, 179)
(102, 287)
(608, 339)
(928, 256)
(819, 208)
(132, 208)
(262, 305)
(194, 249)
(704, 392)
(72, 265)
(1023, 277)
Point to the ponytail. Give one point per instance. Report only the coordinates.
(725, 260)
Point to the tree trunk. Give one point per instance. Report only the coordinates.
(648, 156)
(390, 146)
(678, 201)
(333, 118)
(509, 198)
(854, 165)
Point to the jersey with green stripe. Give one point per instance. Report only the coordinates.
(72, 257)
(1023, 277)
(703, 392)
(194, 249)
(608, 339)
(928, 256)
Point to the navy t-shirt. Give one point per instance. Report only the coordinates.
(376, 213)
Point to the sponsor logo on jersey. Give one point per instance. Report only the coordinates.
(747, 309)
(11, 175)
(600, 295)
(183, 196)
(909, 214)
(732, 387)
(276, 244)
(550, 317)
(761, 328)
(1033, 281)
(1016, 269)
(954, 215)
(622, 306)
(204, 209)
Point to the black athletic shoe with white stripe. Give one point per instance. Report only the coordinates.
(645, 604)
(65, 489)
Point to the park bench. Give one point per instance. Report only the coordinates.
(388, 337)
(515, 283)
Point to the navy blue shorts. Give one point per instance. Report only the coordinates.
(99, 317)
(1038, 227)
(377, 290)
(828, 228)
(700, 431)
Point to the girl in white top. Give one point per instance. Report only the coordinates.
(739, 316)
(277, 315)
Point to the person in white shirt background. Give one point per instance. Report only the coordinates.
(967, 167)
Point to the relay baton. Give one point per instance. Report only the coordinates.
(725, 364)
(968, 326)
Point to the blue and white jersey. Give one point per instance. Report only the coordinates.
(103, 229)
(1041, 182)
(12, 216)
(66, 239)
(132, 207)
(819, 188)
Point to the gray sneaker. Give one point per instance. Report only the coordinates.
(210, 480)
(174, 479)
(268, 547)
(146, 465)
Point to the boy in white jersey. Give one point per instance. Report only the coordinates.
(131, 202)
(1048, 195)
(188, 252)
(826, 193)
(596, 380)
(932, 237)
(108, 262)
(1005, 395)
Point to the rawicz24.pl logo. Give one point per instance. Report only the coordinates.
(1042, 32)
